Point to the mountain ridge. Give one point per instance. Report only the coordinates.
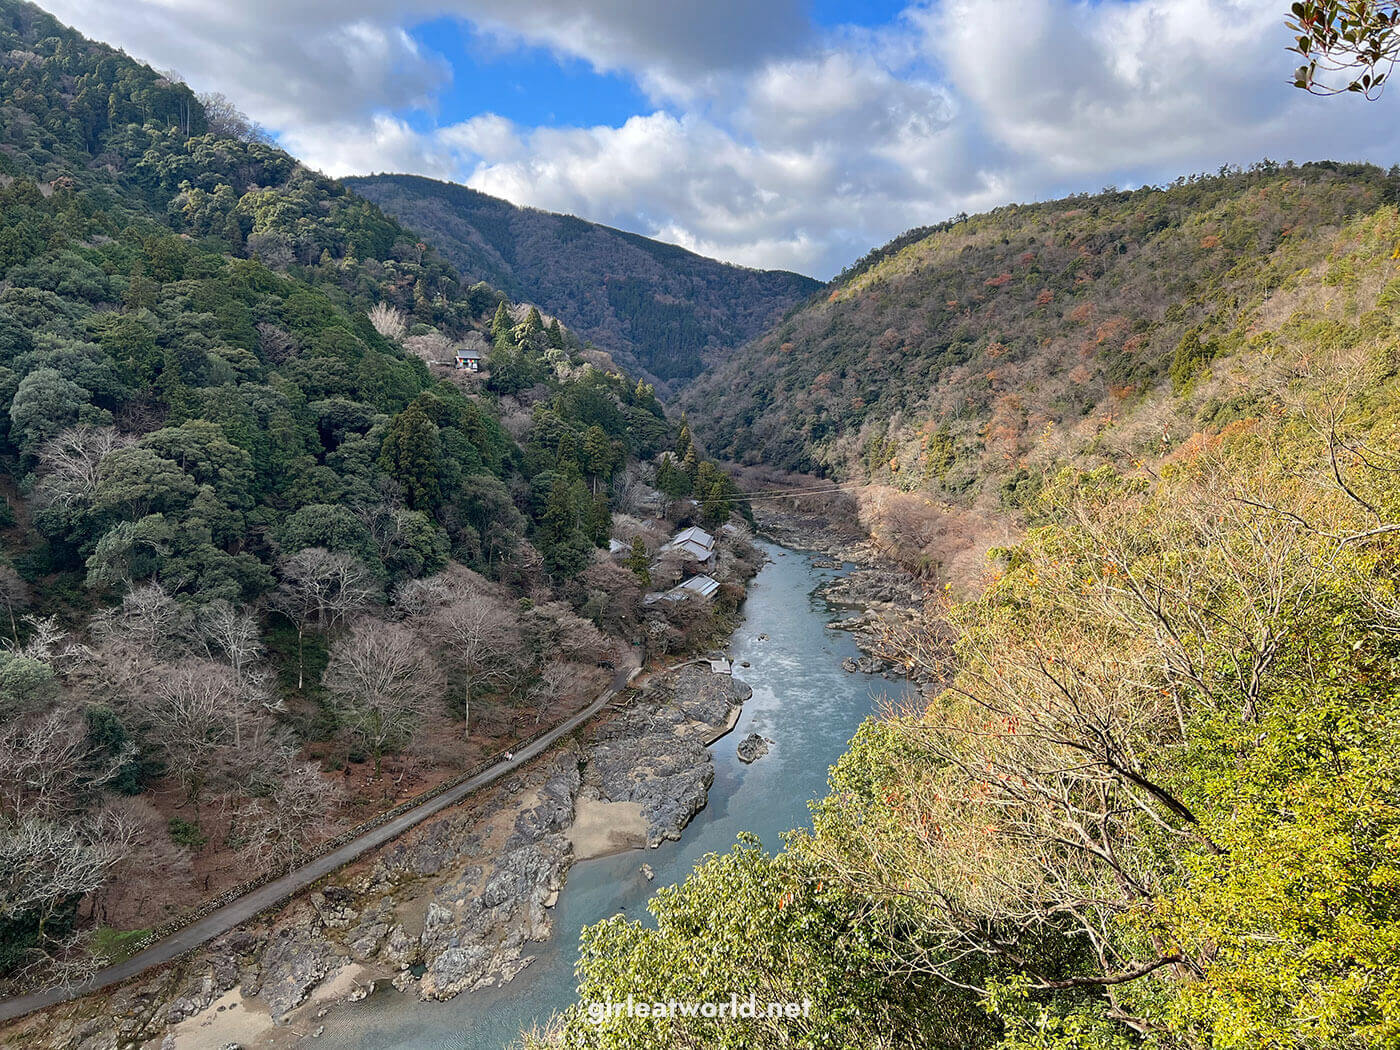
(662, 309)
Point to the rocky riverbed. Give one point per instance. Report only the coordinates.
(887, 601)
(655, 754)
(452, 905)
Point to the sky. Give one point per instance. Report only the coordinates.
(794, 134)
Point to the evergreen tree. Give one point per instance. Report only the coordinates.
(566, 454)
(639, 561)
(598, 520)
(599, 454)
(411, 457)
(1191, 356)
(555, 335)
(671, 480)
(560, 537)
(712, 489)
(501, 323)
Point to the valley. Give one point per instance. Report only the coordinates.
(992, 648)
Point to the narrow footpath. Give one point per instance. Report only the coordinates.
(239, 911)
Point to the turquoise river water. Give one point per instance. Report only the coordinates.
(802, 700)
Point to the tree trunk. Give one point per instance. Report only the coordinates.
(467, 712)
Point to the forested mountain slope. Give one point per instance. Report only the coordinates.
(257, 543)
(1155, 805)
(662, 309)
(963, 357)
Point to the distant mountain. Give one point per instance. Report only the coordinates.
(661, 309)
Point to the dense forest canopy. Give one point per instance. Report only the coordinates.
(961, 354)
(665, 311)
(257, 527)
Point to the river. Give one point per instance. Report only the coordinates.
(802, 700)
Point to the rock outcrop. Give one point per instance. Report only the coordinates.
(656, 754)
(753, 747)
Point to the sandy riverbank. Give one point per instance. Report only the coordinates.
(601, 828)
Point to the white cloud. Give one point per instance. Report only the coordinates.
(1154, 86)
(771, 143)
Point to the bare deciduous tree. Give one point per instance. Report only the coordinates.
(420, 594)
(293, 812)
(69, 464)
(481, 638)
(46, 864)
(198, 713)
(388, 321)
(48, 643)
(150, 618)
(320, 589)
(549, 687)
(381, 683)
(230, 634)
(47, 764)
(14, 596)
(226, 120)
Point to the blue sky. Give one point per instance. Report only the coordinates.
(525, 83)
(777, 133)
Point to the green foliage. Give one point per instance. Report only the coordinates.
(410, 456)
(639, 561)
(26, 685)
(746, 923)
(108, 738)
(1190, 356)
(187, 833)
(115, 946)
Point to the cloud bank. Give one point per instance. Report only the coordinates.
(769, 140)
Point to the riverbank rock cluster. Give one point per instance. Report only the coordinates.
(656, 752)
(810, 532)
(885, 597)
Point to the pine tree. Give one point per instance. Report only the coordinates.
(533, 321)
(555, 335)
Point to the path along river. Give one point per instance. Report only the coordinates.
(802, 700)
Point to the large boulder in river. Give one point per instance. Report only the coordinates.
(753, 747)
